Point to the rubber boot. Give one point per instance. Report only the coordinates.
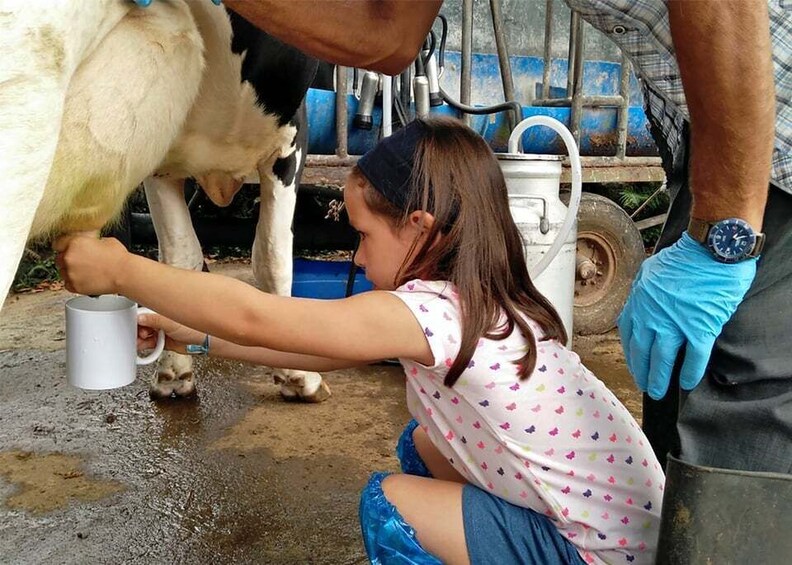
(387, 537)
(720, 516)
(411, 463)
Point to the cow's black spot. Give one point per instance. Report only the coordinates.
(285, 169)
(279, 73)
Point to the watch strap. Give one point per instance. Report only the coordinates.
(758, 245)
(699, 229)
(195, 349)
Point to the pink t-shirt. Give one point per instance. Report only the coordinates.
(559, 442)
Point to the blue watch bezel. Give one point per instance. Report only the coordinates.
(719, 253)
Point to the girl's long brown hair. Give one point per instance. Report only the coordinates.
(473, 243)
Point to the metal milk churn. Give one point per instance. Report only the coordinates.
(547, 226)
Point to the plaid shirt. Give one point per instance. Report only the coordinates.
(641, 29)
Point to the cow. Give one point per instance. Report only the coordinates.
(97, 96)
(280, 76)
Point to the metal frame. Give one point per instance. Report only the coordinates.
(618, 168)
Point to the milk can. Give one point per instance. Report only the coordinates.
(548, 227)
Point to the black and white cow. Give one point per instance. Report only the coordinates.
(97, 96)
(280, 76)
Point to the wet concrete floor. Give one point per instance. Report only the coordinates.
(233, 476)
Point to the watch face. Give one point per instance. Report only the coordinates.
(731, 240)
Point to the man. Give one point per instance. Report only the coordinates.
(713, 114)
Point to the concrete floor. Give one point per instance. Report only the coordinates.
(233, 476)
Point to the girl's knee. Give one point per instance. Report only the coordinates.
(374, 501)
(390, 489)
(387, 537)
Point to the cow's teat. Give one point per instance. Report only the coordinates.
(220, 187)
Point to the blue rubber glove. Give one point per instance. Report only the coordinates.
(682, 297)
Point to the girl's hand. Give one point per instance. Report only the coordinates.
(177, 336)
(89, 265)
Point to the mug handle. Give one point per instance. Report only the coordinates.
(158, 349)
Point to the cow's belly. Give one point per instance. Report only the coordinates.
(125, 105)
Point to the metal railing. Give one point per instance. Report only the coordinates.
(616, 168)
(575, 97)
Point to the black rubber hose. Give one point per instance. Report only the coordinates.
(514, 106)
(353, 269)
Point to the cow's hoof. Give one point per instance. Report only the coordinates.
(301, 386)
(319, 395)
(166, 386)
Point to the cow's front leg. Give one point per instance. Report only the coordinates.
(272, 260)
(178, 246)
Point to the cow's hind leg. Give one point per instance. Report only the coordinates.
(178, 246)
(272, 255)
(38, 60)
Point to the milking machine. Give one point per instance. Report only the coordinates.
(548, 227)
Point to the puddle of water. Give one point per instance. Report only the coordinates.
(47, 482)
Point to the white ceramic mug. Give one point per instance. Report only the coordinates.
(101, 342)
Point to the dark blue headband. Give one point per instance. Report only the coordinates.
(389, 165)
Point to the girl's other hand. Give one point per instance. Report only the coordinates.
(89, 265)
(177, 336)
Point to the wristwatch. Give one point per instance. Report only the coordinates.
(730, 241)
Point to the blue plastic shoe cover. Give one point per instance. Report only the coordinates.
(388, 539)
(411, 462)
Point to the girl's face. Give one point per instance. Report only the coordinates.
(383, 247)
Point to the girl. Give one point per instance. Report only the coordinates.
(517, 452)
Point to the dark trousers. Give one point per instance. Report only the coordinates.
(740, 415)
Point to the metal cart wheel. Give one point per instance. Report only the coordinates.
(609, 252)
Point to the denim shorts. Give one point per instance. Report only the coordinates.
(500, 533)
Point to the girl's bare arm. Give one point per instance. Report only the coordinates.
(271, 358)
(371, 326)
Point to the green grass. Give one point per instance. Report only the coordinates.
(36, 268)
(631, 196)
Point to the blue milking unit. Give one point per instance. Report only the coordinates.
(326, 279)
